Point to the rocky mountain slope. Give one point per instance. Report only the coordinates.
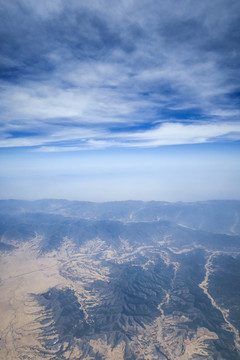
(123, 280)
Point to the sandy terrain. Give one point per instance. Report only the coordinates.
(25, 273)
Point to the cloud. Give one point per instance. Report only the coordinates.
(178, 133)
(79, 75)
(76, 138)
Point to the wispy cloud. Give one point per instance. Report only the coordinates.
(74, 138)
(79, 76)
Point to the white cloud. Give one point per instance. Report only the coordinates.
(76, 138)
(144, 65)
(179, 133)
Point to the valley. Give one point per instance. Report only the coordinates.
(110, 289)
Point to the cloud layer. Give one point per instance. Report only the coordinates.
(78, 76)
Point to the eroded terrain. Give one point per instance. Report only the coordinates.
(97, 289)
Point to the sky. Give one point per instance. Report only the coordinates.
(116, 100)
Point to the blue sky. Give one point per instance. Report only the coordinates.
(120, 100)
